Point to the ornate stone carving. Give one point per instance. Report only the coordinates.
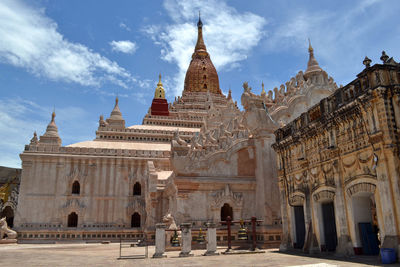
(226, 196)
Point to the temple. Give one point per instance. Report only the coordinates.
(198, 159)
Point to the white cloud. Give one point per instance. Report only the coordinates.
(228, 34)
(339, 37)
(30, 40)
(127, 47)
(124, 26)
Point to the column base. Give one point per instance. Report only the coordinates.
(185, 254)
(159, 255)
(314, 247)
(210, 253)
(344, 246)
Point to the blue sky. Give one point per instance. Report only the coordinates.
(77, 55)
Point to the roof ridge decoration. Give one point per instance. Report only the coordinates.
(312, 65)
(307, 88)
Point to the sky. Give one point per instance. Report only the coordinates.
(76, 56)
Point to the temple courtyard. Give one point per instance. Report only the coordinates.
(96, 254)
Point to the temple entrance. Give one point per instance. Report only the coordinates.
(299, 227)
(135, 220)
(226, 211)
(9, 214)
(329, 225)
(73, 220)
(364, 212)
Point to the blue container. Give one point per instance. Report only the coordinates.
(388, 255)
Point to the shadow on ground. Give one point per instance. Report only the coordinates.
(361, 259)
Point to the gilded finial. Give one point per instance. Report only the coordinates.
(116, 100)
(159, 92)
(263, 90)
(310, 49)
(159, 80)
(53, 114)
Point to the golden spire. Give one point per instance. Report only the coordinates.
(310, 49)
(159, 80)
(160, 92)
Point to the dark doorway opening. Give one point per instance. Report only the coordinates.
(329, 224)
(226, 211)
(73, 220)
(369, 239)
(137, 189)
(9, 214)
(135, 221)
(299, 226)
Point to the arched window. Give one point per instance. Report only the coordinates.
(226, 211)
(137, 189)
(76, 188)
(205, 86)
(135, 221)
(73, 220)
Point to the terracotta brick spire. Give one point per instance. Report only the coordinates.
(201, 75)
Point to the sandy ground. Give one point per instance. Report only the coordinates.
(96, 254)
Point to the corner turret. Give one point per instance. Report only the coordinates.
(115, 120)
(51, 137)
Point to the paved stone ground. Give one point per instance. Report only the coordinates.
(81, 254)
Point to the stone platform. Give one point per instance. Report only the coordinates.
(8, 241)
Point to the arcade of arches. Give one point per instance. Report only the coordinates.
(339, 179)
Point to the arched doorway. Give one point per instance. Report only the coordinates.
(366, 224)
(135, 221)
(329, 225)
(9, 214)
(76, 188)
(137, 189)
(73, 220)
(299, 227)
(226, 211)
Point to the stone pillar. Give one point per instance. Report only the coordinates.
(186, 240)
(286, 242)
(344, 246)
(211, 240)
(160, 241)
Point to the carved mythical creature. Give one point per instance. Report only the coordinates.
(169, 220)
(178, 140)
(34, 140)
(4, 230)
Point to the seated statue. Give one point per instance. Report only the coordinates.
(4, 230)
